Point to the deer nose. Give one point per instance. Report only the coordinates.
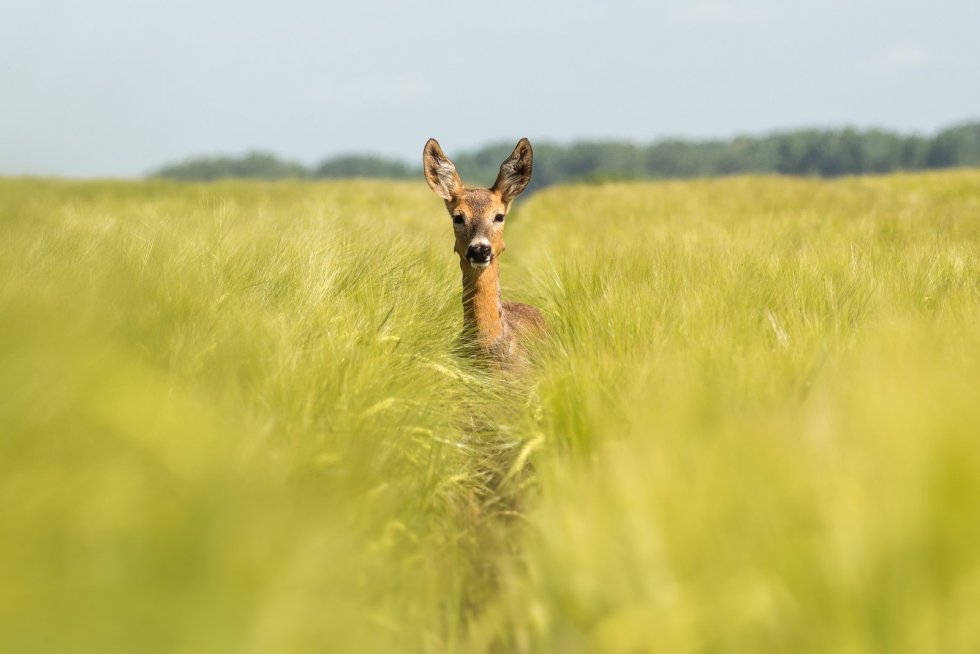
(479, 252)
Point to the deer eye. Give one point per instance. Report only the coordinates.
(458, 219)
(499, 218)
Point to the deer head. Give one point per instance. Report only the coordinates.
(478, 214)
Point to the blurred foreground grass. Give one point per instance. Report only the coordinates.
(230, 420)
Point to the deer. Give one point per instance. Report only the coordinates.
(496, 331)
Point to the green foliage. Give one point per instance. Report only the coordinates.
(353, 165)
(827, 153)
(958, 146)
(254, 165)
(232, 420)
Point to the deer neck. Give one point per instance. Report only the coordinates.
(482, 310)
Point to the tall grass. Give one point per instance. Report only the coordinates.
(232, 421)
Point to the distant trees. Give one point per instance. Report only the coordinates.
(364, 166)
(826, 153)
(957, 146)
(254, 165)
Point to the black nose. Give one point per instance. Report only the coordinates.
(479, 253)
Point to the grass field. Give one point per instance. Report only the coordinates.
(230, 420)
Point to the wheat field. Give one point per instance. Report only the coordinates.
(231, 420)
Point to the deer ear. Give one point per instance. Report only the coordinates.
(515, 172)
(440, 172)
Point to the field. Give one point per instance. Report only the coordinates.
(231, 420)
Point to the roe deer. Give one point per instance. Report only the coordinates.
(496, 330)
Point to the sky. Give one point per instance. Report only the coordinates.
(117, 88)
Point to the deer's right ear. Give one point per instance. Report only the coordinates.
(440, 172)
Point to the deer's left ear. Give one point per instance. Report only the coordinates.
(440, 172)
(515, 172)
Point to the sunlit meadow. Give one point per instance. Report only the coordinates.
(232, 420)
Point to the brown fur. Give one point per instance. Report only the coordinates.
(499, 331)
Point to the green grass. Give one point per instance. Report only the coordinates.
(231, 420)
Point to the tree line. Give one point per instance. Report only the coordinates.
(826, 153)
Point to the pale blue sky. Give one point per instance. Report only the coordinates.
(117, 87)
